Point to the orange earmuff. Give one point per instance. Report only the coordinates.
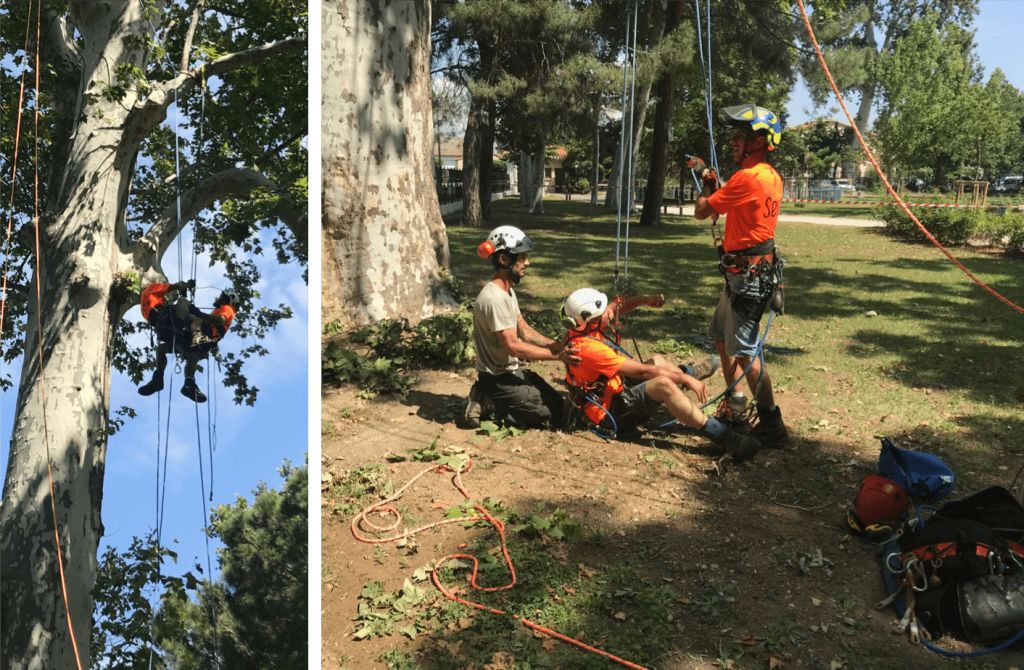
(485, 249)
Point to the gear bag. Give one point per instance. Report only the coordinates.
(924, 476)
(966, 567)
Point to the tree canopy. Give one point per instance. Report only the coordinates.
(253, 615)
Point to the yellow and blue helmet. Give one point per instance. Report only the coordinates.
(758, 118)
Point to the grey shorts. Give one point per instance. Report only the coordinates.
(633, 407)
(735, 325)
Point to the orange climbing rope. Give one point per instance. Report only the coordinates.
(39, 317)
(385, 506)
(888, 186)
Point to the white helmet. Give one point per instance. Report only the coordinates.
(505, 238)
(583, 305)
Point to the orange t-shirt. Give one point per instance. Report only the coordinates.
(750, 200)
(152, 297)
(226, 312)
(598, 359)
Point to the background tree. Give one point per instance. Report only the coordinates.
(678, 41)
(752, 61)
(649, 21)
(926, 96)
(384, 245)
(854, 35)
(254, 615)
(544, 67)
(110, 73)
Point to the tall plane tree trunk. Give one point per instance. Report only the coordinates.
(61, 415)
(384, 244)
(62, 404)
(471, 212)
(651, 215)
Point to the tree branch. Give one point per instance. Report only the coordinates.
(149, 112)
(186, 49)
(232, 183)
(60, 37)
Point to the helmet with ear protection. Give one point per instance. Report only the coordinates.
(505, 238)
(583, 305)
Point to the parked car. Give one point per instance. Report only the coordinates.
(1009, 185)
(844, 185)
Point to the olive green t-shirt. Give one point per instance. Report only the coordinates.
(494, 310)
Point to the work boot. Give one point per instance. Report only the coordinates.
(154, 385)
(192, 392)
(732, 410)
(705, 368)
(474, 407)
(770, 429)
(739, 446)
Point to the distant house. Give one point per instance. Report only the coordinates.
(553, 165)
(855, 170)
(450, 153)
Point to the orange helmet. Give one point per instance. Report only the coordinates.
(879, 507)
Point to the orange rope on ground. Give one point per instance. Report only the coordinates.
(385, 506)
(888, 186)
(39, 343)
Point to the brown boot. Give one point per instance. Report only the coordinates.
(741, 447)
(770, 429)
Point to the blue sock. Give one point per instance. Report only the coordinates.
(714, 428)
(688, 369)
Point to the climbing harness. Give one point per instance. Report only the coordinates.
(363, 529)
(888, 187)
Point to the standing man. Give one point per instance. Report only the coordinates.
(502, 337)
(750, 201)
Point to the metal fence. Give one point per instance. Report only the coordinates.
(449, 184)
(811, 189)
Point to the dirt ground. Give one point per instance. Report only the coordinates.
(769, 531)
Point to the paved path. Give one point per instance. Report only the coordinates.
(687, 210)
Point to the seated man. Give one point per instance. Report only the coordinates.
(502, 337)
(633, 391)
(193, 342)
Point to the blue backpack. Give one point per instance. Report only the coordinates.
(924, 476)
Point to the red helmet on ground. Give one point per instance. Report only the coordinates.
(879, 508)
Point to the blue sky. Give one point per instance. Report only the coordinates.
(997, 30)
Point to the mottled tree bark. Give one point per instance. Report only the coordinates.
(384, 244)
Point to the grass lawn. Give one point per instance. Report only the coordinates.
(644, 548)
(880, 337)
